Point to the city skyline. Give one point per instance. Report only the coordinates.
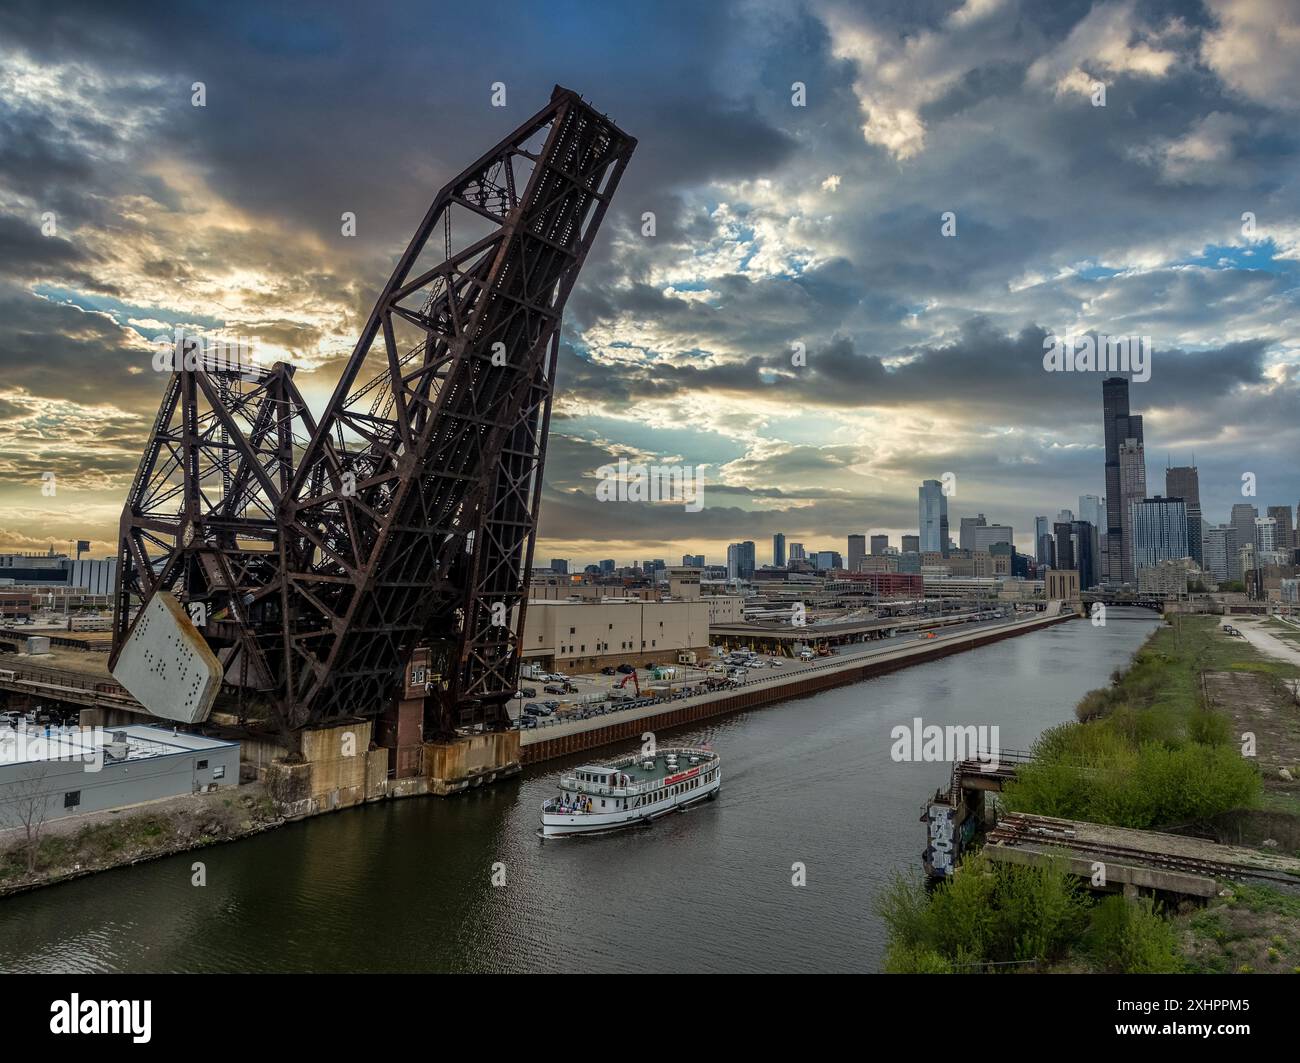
(820, 226)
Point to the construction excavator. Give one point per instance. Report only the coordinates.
(636, 683)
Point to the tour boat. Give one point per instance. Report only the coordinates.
(606, 795)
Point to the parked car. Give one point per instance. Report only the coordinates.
(525, 722)
(551, 706)
(625, 669)
(551, 688)
(527, 692)
(609, 671)
(533, 710)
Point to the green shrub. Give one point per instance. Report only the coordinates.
(1131, 937)
(985, 914)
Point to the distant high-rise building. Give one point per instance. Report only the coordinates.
(1042, 541)
(778, 550)
(1065, 516)
(607, 567)
(1265, 535)
(1243, 523)
(1063, 544)
(911, 544)
(1183, 481)
(965, 527)
(932, 506)
(1092, 508)
(693, 561)
(828, 559)
(741, 560)
(1286, 542)
(857, 551)
(797, 552)
(1085, 543)
(1133, 489)
(1159, 531)
(985, 535)
(560, 565)
(1120, 426)
(879, 544)
(1221, 553)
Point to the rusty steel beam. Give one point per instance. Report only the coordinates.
(407, 513)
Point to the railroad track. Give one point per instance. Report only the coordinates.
(1017, 829)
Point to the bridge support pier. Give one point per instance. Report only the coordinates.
(470, 760)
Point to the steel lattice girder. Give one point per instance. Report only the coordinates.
(445, 456)
(408, 513)
(200, 516)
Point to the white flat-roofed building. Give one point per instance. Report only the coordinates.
(50, 772)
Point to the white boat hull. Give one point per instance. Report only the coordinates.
(562, 824)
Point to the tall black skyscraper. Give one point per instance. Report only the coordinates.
(1119, 425)
(1183, 482)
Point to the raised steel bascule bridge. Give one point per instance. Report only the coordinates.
(302, 560)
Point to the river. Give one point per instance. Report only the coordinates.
(408, 885)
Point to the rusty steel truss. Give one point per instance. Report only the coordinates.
(315, 555)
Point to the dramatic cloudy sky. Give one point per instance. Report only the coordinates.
(776, 225)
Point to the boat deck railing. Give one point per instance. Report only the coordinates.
(570, 781)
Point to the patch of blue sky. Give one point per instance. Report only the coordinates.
(122, 312)
(1260, 255)
(692, 445)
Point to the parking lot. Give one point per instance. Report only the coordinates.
(737, 669)
(578, 703)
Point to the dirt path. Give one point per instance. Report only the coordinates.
(1267, 643)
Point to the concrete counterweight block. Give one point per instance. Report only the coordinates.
(167, 665)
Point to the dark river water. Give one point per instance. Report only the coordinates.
(408, 885)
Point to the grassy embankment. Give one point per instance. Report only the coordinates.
(131, 836)
(1151, 751)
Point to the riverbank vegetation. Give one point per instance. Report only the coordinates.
(68, 849)
(1151, 750)
(1013, 919)
(1201, 732)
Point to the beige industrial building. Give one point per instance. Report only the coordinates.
(1062, 583)
(585, 636)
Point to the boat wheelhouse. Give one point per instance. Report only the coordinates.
(607, 795)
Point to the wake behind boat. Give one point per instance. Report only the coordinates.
(606, 795)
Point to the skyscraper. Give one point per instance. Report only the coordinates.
(1042, 541)
(932, 506)
(857, 551)
(1092, 508)
(1285, 530)
(1265, 535)
(1120, 426)
(1064, 544)
(964, 538)
(778, 550)
(879, 544)
(983, 536)
(911, 544)
(1084, 543)
(797, 552)
(741, 560)
(1243, 523)
(1159, 527)
(1132, 489)
(1182, 481)
(1220, 549)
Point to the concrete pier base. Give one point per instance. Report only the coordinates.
(470, 760)
(337, 771)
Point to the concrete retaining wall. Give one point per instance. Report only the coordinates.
(564, 739)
